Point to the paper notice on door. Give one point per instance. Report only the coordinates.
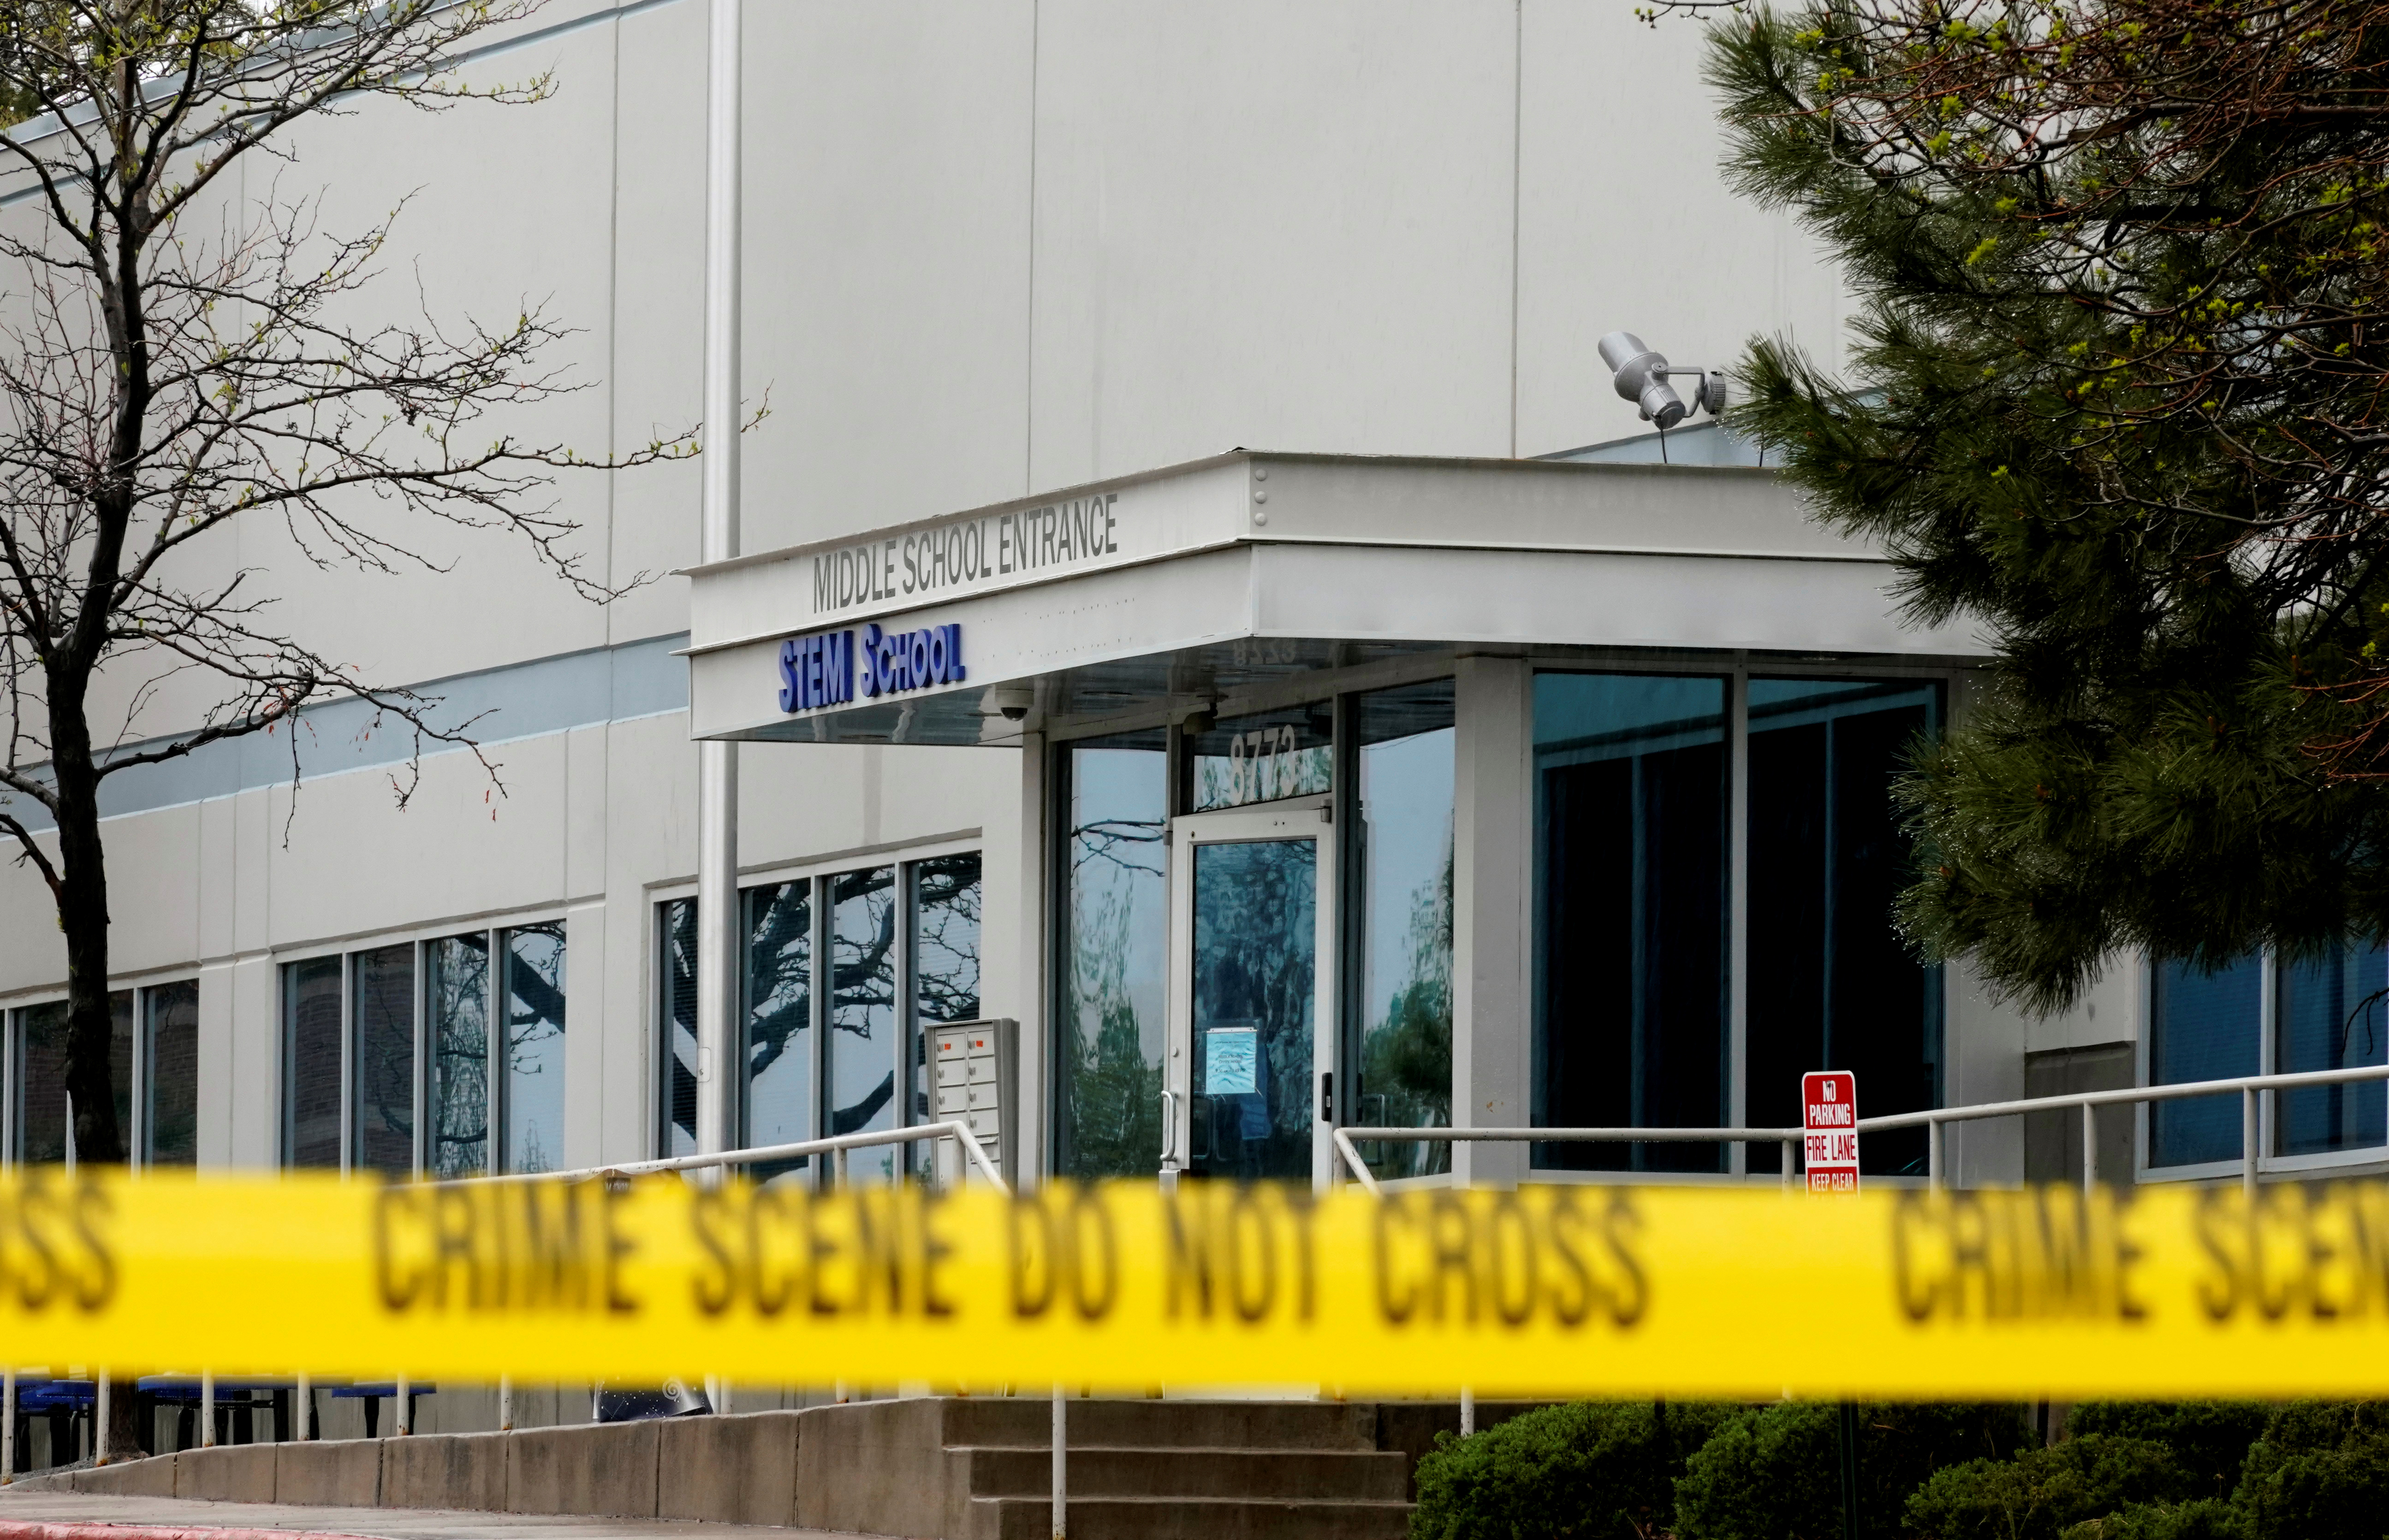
(1231, 1061)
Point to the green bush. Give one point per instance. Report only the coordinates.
(2321, 1473)
(2040, 1492)
(2209, 1439)
(1775, 1474)
(2205, 1518)
(1590, 1468)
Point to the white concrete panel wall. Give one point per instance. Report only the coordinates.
(994, 247)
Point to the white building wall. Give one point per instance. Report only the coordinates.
(994, 246)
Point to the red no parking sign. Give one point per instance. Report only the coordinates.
(1829, 1117)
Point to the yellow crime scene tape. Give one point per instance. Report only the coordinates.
(1548, 1289)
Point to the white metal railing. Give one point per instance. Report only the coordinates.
(2251, 1088)
(836, 1147)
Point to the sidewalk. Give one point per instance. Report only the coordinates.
(387, 1523)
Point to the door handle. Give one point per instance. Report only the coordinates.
(1168, 1126)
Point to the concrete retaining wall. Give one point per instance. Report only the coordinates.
(740, 1469)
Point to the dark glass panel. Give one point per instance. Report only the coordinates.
(1630, 780)
(863, 1046)
(42, 1084)
(383, 1010)
(172, 1124)
(1255, 965)
(534, 1063)
(458, 1002)
(676, 1083)
(119, 1063)
(1403, 868)
(1832, 984)
(945, 966)
(2206, 1027)
(1113, 957)
(779, 1090)
(310, 1063)
(2333, 1013)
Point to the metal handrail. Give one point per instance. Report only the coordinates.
(2250, 1088)
(836, 1147)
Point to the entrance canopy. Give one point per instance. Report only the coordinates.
(1216, 579)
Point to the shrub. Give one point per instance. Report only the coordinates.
(1775, 1474)
(2321, 1473)
(2040, 1492)
(1590, 1467)
(2209, 1439)
(2205, 1518)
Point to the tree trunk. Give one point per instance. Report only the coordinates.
(83, 915)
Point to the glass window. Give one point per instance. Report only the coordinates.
(1263, 757)
(383, 1010)
(170, 1123)
(1832, 985)
(945, 961)
(861, 1046)
(2331, 1015)
(42, 1084)
(1630, 807)
(457, 998)
(1403, 866)
(1114, 966)
(534, 1048)
(310, 1063)
(119, 1063)
(779, 1092)
(2206, 1025)
(676, 1073)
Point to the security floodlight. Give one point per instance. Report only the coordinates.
(1641, 375)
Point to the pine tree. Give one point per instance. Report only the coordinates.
(2115, 397)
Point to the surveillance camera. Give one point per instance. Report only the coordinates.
(1641, 375)
(1011, 701)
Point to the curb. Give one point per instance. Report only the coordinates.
(35, 1529)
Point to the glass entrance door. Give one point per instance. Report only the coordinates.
(1252, 992)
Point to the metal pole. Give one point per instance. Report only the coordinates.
(1467, 1411)
(7, 1425)
(1850, 1451)
(717, 763)
(99, 1409)
(2248, 1105)
(2090, 1149)
(1791, 1147)
(302, 1407)
(1061, 1464)
(206, 1408)
(505, 1403)
(1933, 1179)
(406, 1399)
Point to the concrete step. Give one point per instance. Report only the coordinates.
(1322, 1474)
(1191, 1519)
(1150, 1424)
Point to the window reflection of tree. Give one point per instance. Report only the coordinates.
(460, 1014)
(384, 1013)
(534, 1033)
(779, 973)
(1405, 1055)
(1114, 1085)
(1257, 960)
(680, 1031)
(862, 979)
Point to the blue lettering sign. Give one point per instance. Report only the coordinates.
(827, 668)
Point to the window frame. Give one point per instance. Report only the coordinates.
(817, 871)
(1738, 667)
(420, 939)
(2269, 1014)
(137, 1131)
